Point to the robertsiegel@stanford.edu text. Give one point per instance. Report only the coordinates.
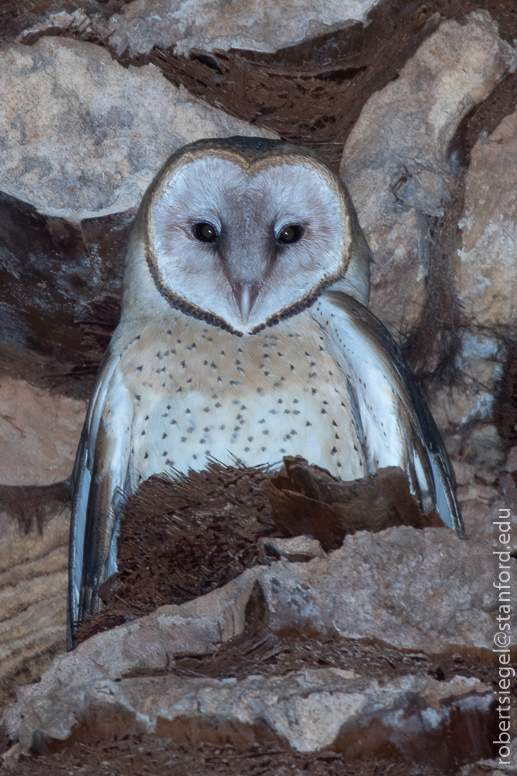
(502, 640)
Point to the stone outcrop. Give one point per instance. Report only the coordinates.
(39, 434)
(183, 25)
(415, 590)
(312, 710)
(485, 265)
(84, 136)
(397, 160)
(33, 580)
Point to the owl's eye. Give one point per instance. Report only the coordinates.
(204, 232)
(290, 234)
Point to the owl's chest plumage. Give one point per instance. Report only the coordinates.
(197, 391)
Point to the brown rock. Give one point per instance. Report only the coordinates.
(416, 590)
(197, 24)
(243, 759)
(312, 710)
(39, 434)
(53, 271)
(486, 267)
(31, 507)
(471, 400)
(33, 582)
(299, 549)
(424, 590)
(396, 163)
(146, 645)
(86, 135)
(395, 159)
(465, 413)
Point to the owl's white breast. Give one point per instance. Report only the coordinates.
(198, 391)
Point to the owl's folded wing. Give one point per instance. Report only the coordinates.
(99, 488)
(393, 420)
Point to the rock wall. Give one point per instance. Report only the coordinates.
(416, 107)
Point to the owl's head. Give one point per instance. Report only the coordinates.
(244, 232)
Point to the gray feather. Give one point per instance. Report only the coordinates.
(100, 473)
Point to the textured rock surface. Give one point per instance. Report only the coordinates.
(396, 159)
(33, 580)
(485, 265)
(416, 590)
(201, 24)
(299, 549)
(39, 434)
(487, 272)
(465, 415)
(84, 136)
(311, 710)
(246, 758)
(149, 644)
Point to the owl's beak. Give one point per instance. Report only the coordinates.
(245, 295)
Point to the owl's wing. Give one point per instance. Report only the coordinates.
(100, 483)
(391, 415)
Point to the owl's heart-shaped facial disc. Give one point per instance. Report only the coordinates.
(243, 244)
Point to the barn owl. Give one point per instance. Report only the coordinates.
(245, 333)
